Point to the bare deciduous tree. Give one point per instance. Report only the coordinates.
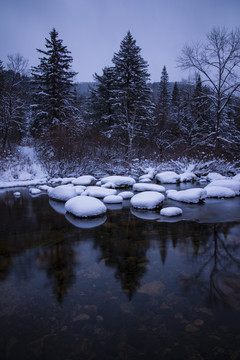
(218, 60)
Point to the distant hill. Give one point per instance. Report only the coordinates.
(83, 88)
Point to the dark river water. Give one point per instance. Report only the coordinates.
(126, 286)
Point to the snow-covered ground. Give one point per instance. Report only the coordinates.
(190, 183)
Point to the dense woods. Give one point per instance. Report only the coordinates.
(122, 115)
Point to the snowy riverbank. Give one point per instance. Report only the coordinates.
(25, 169)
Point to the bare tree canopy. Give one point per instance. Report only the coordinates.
(18, 64)
(218, 60)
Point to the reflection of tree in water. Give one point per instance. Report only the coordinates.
(58, 262)
(187, 236)
(123, 243)
(27, 228)
(217, 265)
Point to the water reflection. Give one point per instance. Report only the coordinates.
(58, 262)
(86, 223)
(217, 266)
(121, 286)
(123, 241)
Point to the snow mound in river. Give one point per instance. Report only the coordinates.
(85, 206)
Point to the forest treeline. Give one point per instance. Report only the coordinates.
(123, 115)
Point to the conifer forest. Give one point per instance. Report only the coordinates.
(121, 115)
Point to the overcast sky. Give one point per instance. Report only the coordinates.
(93, 29)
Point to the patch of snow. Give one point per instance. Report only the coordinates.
(191, 196)
(188, 177)
(149, 176)
(215, 176)
(231, 184)
(62, 192)
(113, 199)
(171, 211)
(55, 181)
(84, 180)
(9, 184)
(85, 206)
(117, 181)
(147, 200)
(168, 177)
(98, 192)
(148, 187)
(126, 194)
(219, 192)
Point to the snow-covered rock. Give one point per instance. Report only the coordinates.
(168, 177)
(62, 192)
(117, 181)
(230, 184)
(17, 194)
(85, 206)
(219, 192)
(126, 194)
(98, 192)
(147, 200)
(145, 180)
(45, 187)
(34, 191)
(84, 180)
(67, 180)
(192, 196)
(113, 199)
(236, 177)
(148, 187)
(188, 177)
(215, 176)
(171, 211)
(80, 189)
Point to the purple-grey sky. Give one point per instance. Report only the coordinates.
(93, 29)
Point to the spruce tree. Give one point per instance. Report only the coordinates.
(175, 104)
(131, 96)
(101, 111)
(162, 111)
(52, 106)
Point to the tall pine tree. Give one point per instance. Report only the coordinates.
(163, 105)
(131, 96)
(52, 107)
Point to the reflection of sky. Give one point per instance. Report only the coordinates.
(92, 29)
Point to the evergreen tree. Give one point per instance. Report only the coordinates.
(131, 96)
(101, 108)
(163, 105)
(53, 80)
(200, 114)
